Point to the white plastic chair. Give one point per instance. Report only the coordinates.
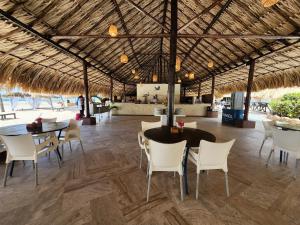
(165, 157)
(141, 137)
(268, 124)
(211, 156)
(43, 136)
(288, 141)
(23, 148)
(72, 133)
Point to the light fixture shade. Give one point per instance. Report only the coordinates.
(179, 80)
(186, 75)
(268, 3)
(154, 78)
(133, 71)
(178, 64)
(113, 30)
(191, 76)
(136, 77)
(210, 64)
(124, 58)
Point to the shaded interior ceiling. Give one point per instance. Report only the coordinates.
(22, 52)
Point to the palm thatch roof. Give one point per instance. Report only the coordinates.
(36, 56)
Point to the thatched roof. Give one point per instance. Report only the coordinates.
(55, 66)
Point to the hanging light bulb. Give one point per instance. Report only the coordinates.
(136, 77)
(124, 58)
(268, 3)
(154, 78)
(113, 30)
(133, 71)
(191, 76)
(210, 64)
(178, 64)
(186, 75)
(179, 80)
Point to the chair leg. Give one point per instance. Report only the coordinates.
(148, 189)
(174, 174)
(226, 184)
(70, 146)
(286, 158)
(33, 165)
(49, 155)
(269, 157)
(147, 172)
(5, 174)
(181, 188)
(262, 146)
(197, 186)
(58, 160)
(141, 158)
(81, 146)
(24, 163)
(36, 174)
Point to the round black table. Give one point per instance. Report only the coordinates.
(192, 136)
(16, 130)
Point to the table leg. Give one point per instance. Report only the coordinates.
(185, 171)
(12, 168)
(280, 159)
(57, 149)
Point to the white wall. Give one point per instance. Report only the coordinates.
(162, 93)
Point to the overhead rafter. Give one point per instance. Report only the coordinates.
(146, 13)
(214, 20)
(125, 29)
(195, 18)
(48, 41)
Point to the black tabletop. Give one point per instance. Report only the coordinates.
(193, 136)
(21, 129)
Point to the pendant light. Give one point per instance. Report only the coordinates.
(133, 71)
(124, 58)
(186, 75)
(268, 3)
(210, 64)
(191, 76)
(178, 64)
(179, 80)
(113, 30)
(136, 77)
(154, 78)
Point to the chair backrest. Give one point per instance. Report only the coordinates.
(49, 120)
(74, 124)
(20, 147)
(164, 156)
(268, 125)
(213, 155)
(150, 125)
(287, 140)
(191, 124)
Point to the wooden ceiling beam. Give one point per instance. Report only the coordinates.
(146, 13)
(214, 20)
(125, 29)
(195, 18)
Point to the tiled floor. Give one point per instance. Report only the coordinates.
(105, 185)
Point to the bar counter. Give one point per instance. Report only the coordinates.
(148, 109)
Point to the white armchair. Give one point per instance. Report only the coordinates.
(165, 157)
(211, 156)
(268, 124)
(23, 148)
(288, 141)
(72, 133)
(141, 137)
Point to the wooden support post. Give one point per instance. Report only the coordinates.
(199, 89)
(212, 90)
(249, 89)
(173, 46)
(124, 91)
(111, 89)
(245, 123)
(88, 120)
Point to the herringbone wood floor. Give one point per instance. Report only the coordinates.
(105, 185)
